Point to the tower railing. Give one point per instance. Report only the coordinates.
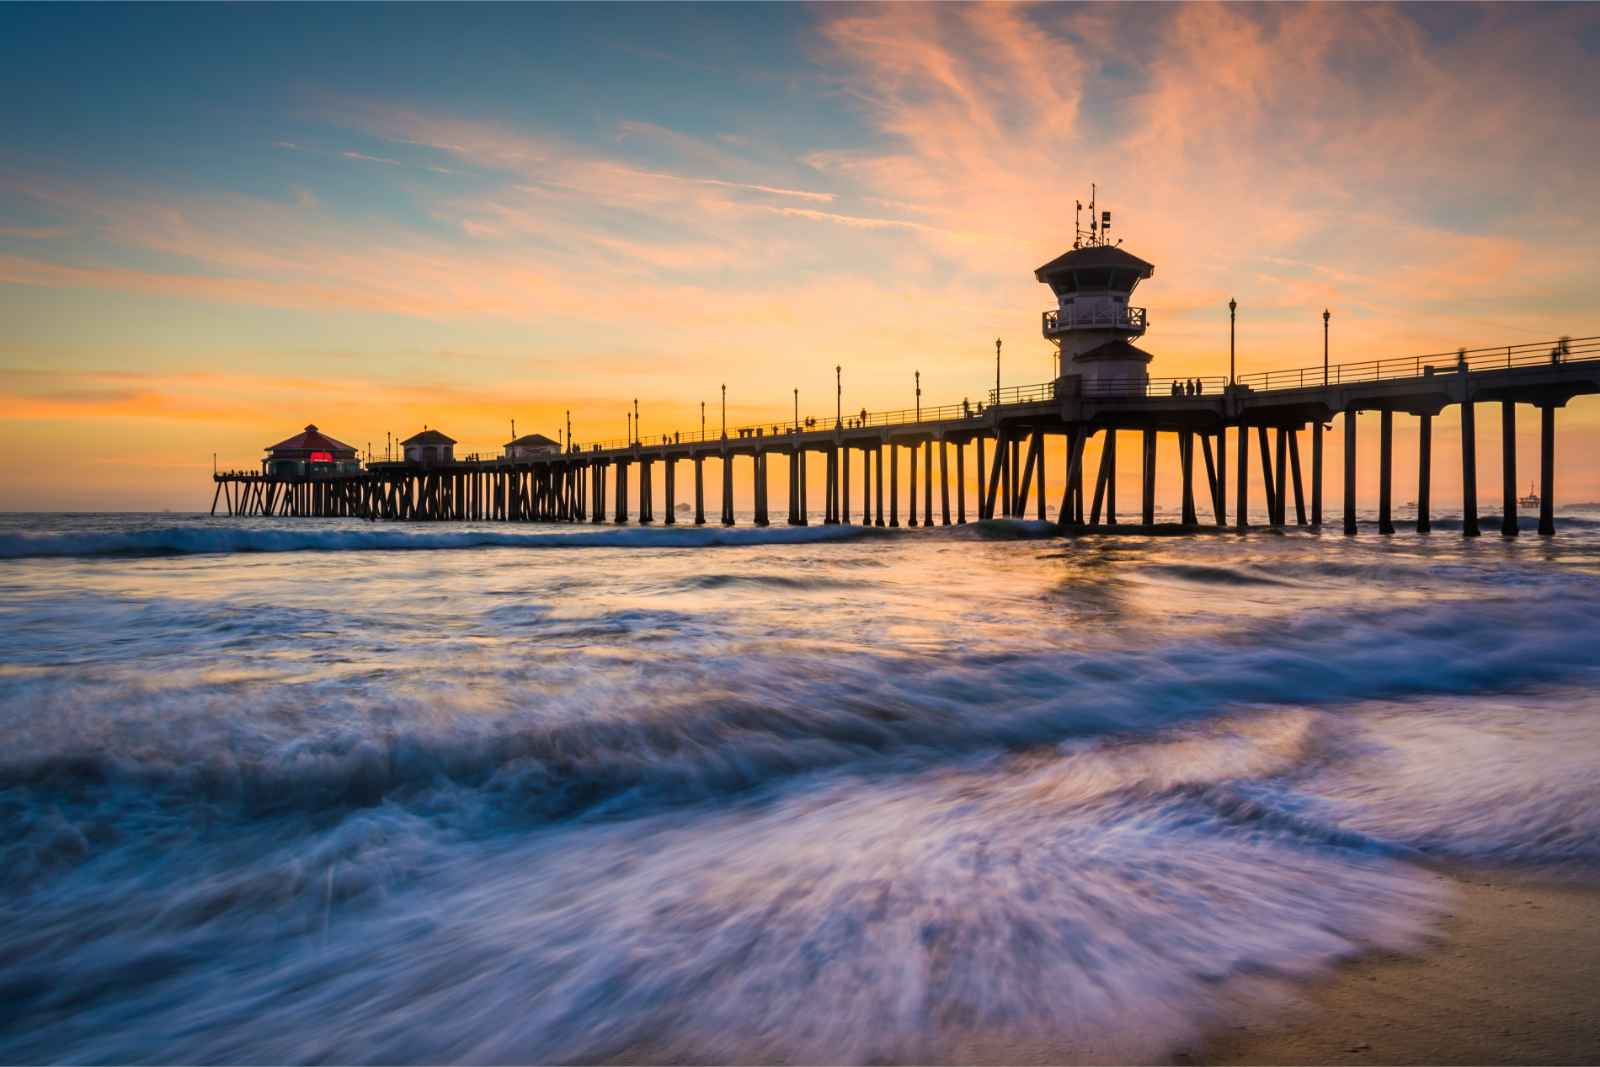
(1057, 321)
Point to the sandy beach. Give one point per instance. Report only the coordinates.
(1514, 978)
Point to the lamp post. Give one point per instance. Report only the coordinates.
(919, 395)
(797, 411)
(702, 420)
(635, 420)
(838, 396)
(1325, 317)
(569, 430)
(1233, 307)
(724, 411)
(997, 370)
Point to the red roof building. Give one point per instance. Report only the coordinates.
(310, 451)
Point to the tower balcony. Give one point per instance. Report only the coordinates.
(1057, 322)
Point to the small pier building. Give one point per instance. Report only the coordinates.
(310, 452)
(530, 445)
(428, 448)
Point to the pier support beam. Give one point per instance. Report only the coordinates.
(1147, 480)
(1038, 447)
(669, 470)
(961, 482)
(944, 481)
(1424, 471)
(1186, 470)
(1072, 493)
(927, 483)
(844, 484)
(647, 506)
(699, 491)
(1350, 472)
(804, 518)
(981, 513)
(866, 486)
(1469, 465)
(911, 497)
(1242, 504)
(1508, 467)
(622, 491)
(877, 467)
(1294, 472)
(894, 484)
(1386, 472)
(727, 488)
(1316, 475)
(1216, 474)
(1547, 470)
(759, 479)
(1268, 478)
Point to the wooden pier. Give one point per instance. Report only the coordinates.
(1265, 414)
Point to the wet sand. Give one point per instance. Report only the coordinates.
(1513, 978)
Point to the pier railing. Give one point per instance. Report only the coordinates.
(1501, 357)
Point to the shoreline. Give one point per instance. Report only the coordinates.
(1510, 976)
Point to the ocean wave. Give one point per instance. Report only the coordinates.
(697, 727)
(217, 539)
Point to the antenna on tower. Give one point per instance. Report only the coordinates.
(1077, 226)
(1094, 237)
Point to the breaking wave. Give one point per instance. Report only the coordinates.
(211, 540)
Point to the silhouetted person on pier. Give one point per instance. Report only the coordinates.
(1199, 387)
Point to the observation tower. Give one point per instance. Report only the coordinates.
(1093, 326)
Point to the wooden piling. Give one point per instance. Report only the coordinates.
(1350, 472)
(1469, 463)
(727, 487)
(1294, 472)
(911, 501)
(1547, 469)
(1385, 471)
(894, 484)
(1186, 472)
(1508, 467)
(1424, 471)
(961, 481)
(944, 480)
(1147, 479)
(877, 467)
(927, 482)
(1242, 505)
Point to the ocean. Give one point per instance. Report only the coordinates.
(291, 791)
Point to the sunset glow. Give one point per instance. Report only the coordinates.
(220, 224)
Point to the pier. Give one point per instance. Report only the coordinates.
(908, 468)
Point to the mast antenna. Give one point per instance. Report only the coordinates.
(1094, 234)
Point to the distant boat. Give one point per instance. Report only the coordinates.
(1529, 501)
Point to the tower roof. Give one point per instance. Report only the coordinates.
(1094, 257)
(1117, 349)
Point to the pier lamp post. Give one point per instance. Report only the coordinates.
(724, 411)
(569, 430)
(635, 420)
(919, 395)
(629, 416)
(1325, 317)
(797, 411)
(997, 370)
(702, 420)
(838, 396)
(1233, 307)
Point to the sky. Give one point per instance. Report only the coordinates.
(221, 223)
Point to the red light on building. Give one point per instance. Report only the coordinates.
(322, 457)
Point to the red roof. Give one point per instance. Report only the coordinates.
(311, 440)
